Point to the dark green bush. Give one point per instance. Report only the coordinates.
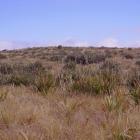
(130, 49)
(133, 80)
(70, 58)
(135, 94)
(6, 68)
(111, 67)
(133, 84)
(85, 59)
(20, 74)
(70, 66)
(43, 83)
(95, 58)
(77, 58)
(56, 58)
(2, 56)
(4, 79)
(104, 81)
(33, 68)
(18, 80)
(81, 59)
(111, 75)
(59, 46)
(138, 63)
(128, 56)
(91, 85)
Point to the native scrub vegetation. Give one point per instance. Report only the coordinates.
(87, 93)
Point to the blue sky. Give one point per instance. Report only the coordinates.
(70, 22)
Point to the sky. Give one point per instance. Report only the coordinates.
(25, 23)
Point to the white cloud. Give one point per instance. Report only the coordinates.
(109, 42)
(76, 43)
(6, 45)
(9, 45)
(69, 42)
(136, 44)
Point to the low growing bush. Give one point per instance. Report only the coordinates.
(135, 94)
(2, 56)
(43, 83)
(18, 80)
(105, 80)
(128, 56)
(133, 84)
(20, 74)
(90, 85)
(138, 63)
(6, 68)
(70, 66)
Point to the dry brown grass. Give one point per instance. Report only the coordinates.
(64, 113)
(26, 115)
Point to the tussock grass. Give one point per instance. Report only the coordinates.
(60, 93)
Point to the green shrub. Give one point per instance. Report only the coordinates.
(130, 49)
(85, 59)
(129, 56)
(59, 46)
(109, 53)
(110, 66)
(77, 58)
(33, 68)
(138, 63)
(6, 68)
(110, 72)
(2, 56)
(56, 58)
(133, 84)
(70, 66)
(81, 59)
(135, 94)
(66, 78)
(95, 58)
(110, 82)
(70, 58)
(90, 85)
(20, 74)
(104, 81)
(43, 83)
(18, 80)
(117, 102)
(4, 79)
(133, 80)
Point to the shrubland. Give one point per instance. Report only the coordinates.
(66, 93)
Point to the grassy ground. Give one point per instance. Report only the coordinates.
(59, 93)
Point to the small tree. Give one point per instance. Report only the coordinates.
(59, 46)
